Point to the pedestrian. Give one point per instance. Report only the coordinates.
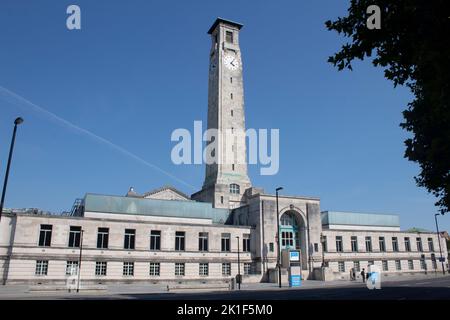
(363, 275)
(353, 274)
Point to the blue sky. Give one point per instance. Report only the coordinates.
(138, 70)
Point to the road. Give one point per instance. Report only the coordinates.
(430, 289)
(433, 288)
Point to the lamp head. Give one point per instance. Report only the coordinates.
(18, 121)
(279, 188)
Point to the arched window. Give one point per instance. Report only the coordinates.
(288, 219)
(234, 188)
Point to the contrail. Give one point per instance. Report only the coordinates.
(70, 125)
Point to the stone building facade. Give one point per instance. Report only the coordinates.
(167, 236)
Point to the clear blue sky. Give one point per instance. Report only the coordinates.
(138, 70)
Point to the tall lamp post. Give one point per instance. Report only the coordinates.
(278, 239)
(79, 260)
(239, 265)
(18, 121)
(439, 241)
(322, 240)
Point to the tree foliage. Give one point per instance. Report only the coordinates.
(413, 48)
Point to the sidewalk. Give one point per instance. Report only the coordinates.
(22, 291)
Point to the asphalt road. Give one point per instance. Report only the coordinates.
(428, 289)
(432, 288)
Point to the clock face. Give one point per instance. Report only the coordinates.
(230, 62)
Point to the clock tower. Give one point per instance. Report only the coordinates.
(226, 177)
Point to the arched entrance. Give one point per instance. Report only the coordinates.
(293, 234)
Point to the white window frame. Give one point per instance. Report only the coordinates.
(154, 269)
(226, 269)
(72, 268)
(203, 269)
(128, 269)
(101, 268)
(180, 269)
(41, 268)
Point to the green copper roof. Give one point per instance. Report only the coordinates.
(360, 219)
(154, 207)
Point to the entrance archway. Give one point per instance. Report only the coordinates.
(293, 234)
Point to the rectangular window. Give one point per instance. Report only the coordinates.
(430, 244)
(423, 264)
(231, 79)
(74, 237)
(341, 266)
(102, 238)
(356, 266)
(231, 96)
(128, 268)
(154, 269)
(155, 240)
(398, 265)
(354, 241)
(407, 245)
(385, 265)
(203, 241)
(225, 243)
(316, 247)
(41, 267)
(410, 265)
(72, 268)
(129, 240)
(419, 244)
(246, 242)
(382, 244)
(231, 112)
(433, 261)
(247, 268)
(339, 244)
(179, 240)
(226, 269)
(395, 244)
(203, 269)
(45, 235)
(179, 269)
(100, 268)
(368, 244)
(271, 247)
(324, 244)
(229, 36)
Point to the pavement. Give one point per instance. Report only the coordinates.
(429, 287)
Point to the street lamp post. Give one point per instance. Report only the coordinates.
(79, 260)
(239, 265)
(5, 183)
(322, 240)
(278, 239)
(439, 241)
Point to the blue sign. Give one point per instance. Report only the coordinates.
(295, 281)
(294, 256)
(442, 259)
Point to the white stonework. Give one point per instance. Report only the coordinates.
(36, 248)
(226, 114)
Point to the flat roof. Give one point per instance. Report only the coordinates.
(154, 207)
(221, 20)
(360, 219)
